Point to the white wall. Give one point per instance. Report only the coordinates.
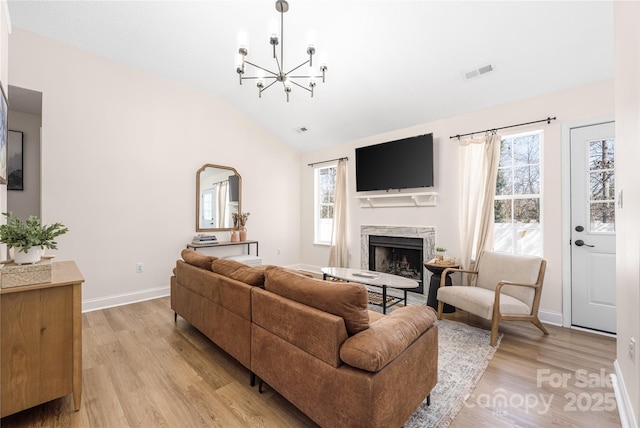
(120, 150)
(23, 203)
(627, 107)
(591, 102)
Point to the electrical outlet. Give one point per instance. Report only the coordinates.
(139, 268)
(278, 252)
(632, 349)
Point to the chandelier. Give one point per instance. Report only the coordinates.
(264, 82)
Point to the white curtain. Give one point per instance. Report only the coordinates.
(479, 160)
(222, 203)
(339, 252)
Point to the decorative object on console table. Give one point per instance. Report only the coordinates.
(29, 237)
(436, 267)
(239, 222)
(234, 236)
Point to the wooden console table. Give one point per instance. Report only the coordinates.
(41, 338)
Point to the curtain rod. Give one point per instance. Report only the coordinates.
(329, 160)
(548, 120)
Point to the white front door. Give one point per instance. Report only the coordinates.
(593, 258)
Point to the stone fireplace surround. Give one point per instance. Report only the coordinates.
(428, 235)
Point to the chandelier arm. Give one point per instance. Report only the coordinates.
(268, 86)
(304, 77)
(294, 69)
(261, 68)
(282, 37)
(300, 86)
(259, 77)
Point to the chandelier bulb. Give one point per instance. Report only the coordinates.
(310, 51)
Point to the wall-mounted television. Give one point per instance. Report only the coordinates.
(399, 164)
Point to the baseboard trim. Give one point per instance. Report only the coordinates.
(625, 410)
(90, 305)
(549, 317)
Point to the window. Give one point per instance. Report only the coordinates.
(517, 203)
(325, 188)
(601, 186)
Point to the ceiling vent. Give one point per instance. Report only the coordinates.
(302, 130)
(481, 71)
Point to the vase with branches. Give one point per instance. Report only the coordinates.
(239, 223)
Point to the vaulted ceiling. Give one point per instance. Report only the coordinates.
(391, 64)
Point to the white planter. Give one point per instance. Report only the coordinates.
(33, 255)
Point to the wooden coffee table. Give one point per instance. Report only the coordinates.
(375, 279)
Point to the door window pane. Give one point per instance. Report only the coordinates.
(603, 217)
(601, 154)
(601, 185)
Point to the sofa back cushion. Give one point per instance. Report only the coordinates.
(239, 271)
(195, 258)
(346, 300)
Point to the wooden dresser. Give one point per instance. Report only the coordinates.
(41, 344)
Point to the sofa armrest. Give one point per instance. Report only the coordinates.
(384, 340)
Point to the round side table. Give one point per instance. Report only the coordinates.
(436, 269)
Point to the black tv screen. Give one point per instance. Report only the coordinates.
(399, 164)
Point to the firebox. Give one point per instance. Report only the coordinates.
(398, 256)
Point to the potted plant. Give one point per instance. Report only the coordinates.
(440, 253)
(29, 237)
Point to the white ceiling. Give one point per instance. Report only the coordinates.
(391, 64)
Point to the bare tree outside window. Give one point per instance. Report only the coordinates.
(602, 186)
(518, 191)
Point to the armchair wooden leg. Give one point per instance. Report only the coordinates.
(494, 330)
(537, 323)
(440, 308)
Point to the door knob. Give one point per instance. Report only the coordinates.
(580, 243)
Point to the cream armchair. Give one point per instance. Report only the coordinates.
(507, 287)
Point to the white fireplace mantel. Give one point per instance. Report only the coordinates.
(421, 199)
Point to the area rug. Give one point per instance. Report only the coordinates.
(463, 355)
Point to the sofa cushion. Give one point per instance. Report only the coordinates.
(239, 271)
(197, 259)
(348, 301)
(388, 337)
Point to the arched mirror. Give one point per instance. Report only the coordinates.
(218, 196)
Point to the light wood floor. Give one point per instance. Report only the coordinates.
(142, 370)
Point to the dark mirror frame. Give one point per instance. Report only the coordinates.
(198, 196)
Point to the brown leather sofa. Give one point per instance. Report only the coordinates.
(313, 341)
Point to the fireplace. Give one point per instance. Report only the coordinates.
(400, 250)
(398, 256)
